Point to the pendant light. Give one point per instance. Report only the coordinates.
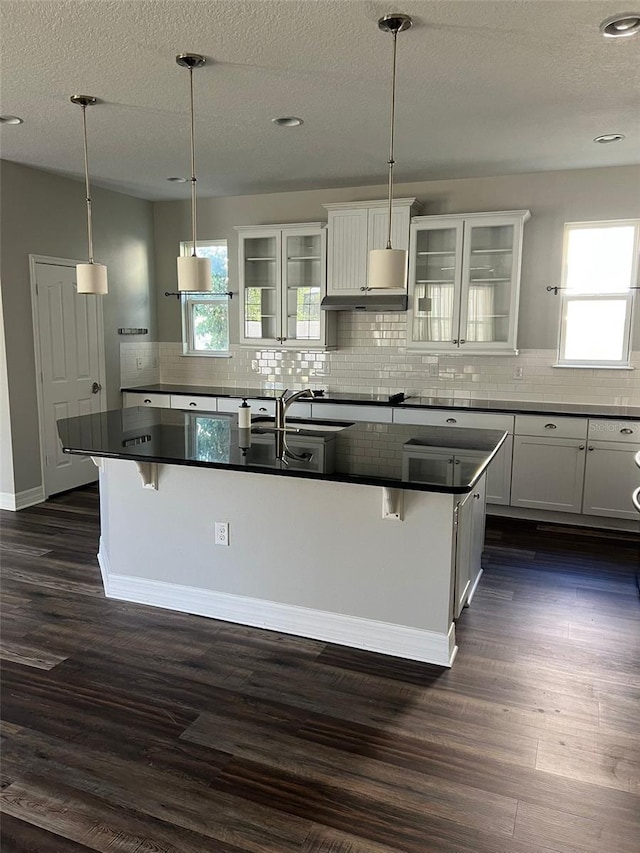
(388, 267)
(194, 274)
(91, 277)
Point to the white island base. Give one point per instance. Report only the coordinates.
(306, 557)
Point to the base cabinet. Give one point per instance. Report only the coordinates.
(547, 473)
(469, 528)
(610, 479)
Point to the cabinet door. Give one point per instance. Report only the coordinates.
(547, 473)
(490, 283)
(378, 227)
(142, 398)
(499, 475)
(347, 251)
(303, 286)
(469, 521)
(260, 277)
(611, 477)
(435, 276)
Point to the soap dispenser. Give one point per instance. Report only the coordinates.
(244, 415)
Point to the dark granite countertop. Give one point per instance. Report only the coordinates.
(594, 410)
(434, 459)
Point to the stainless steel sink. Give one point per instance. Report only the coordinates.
(297, 425)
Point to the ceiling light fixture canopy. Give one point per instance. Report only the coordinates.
(621, 26)
(388, 267)
(194, 273)
(91, 277)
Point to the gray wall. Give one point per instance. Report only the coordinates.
(44, 214)
(552, 197)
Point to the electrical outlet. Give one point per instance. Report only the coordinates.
(434, 369)
(139, 363)
(222, 532)
(518, 372)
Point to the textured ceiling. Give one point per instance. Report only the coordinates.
(484, 88)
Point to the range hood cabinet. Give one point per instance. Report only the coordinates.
(386, 302)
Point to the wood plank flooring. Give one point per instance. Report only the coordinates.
(129, 728)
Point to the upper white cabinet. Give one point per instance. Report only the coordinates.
(464, 282)
(282, 281)
(354, 229)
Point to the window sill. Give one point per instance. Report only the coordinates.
(208, 354)
(595, 366)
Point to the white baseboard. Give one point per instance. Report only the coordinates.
(397, 640)
(15, 501)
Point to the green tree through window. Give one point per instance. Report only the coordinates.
(206, 315)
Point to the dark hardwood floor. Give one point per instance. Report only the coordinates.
(129, 728)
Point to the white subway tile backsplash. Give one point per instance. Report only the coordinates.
(371, 357)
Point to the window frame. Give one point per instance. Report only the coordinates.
(189, 300)
(628, 296)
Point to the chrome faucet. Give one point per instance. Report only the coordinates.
(283, 403)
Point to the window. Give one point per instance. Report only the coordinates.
(599, 280)
(205, 316)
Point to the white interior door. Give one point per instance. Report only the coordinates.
(70, 362)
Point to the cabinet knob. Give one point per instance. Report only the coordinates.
(477, 496)
(581, 447)
(550, 426)
(591, 447)
(452, 421)
(454, 341)
(462, 341)
(282, 340)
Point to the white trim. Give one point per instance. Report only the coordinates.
(370, 634)
(34, 260)
(595, 522)
(21, 500)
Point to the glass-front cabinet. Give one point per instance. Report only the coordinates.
(282, 281)
(464, 282)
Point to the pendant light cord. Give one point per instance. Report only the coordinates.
(193, 164)
(86, 182)
(391, 161)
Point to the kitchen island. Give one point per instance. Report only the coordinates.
(362, 534)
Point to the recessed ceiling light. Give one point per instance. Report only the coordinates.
(177, 180)
(609, 137)
(11, 120)
(287, 121)
(621, 26)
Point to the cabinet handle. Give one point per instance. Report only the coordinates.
(550, 426)
(462, 341)
(452, 421)
(454, 341)
(581, 447)
(282, 340)
(262, 409)
(193, 404)
(450, 461)
(146, 401)
(591, 448)
(477, 496)
(626, 431)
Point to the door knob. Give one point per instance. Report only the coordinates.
(96, 388)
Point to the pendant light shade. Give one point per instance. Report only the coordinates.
(91, 278)
(388, 267)
(194, 274)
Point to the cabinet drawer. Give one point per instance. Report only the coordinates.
(335, 411)
(612, 430)
(135, 398)
(445, 417)
(258, 407)
(205, 404)
(551, 426)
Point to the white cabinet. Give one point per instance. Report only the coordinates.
(469, 530)
(354, 229)
(498, 474)
(610, 479)
(464, 282)
(340, 412)
(548, 462)
(196, 403)
(282, 273)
